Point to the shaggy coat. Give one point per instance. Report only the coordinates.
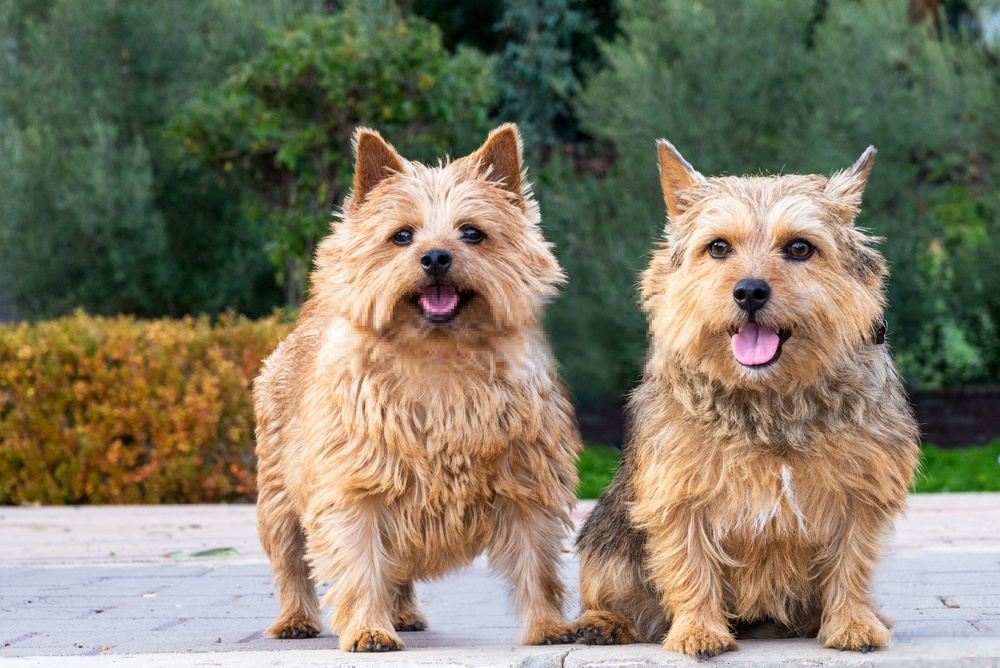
(753, 498)
(402, 430)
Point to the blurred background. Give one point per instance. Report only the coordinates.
(172, 159)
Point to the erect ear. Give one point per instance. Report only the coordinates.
(676, 175)
(848, 185)
(374, 161)
(500, 158)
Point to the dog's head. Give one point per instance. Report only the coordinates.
(762, 280)
(438, 250)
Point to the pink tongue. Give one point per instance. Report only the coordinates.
(755, 344)
(439, 299)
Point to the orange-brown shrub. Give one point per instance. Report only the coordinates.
(119, 410)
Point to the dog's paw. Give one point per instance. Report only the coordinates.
(857, 635)
(699, 642)
(549, 633)
(599, 627)
(293, 629)
(371, 640)
(409, 621)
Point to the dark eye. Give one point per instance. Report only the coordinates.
(472, 235)
(720, 249)
(403, 237)
(799, 249)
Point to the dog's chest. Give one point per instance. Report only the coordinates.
(447, 503)
(448, 479)
(776, 529)
(772, 506)
(439, 444)
(452, 443)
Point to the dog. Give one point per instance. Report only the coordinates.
(413, 418)
(771, 443)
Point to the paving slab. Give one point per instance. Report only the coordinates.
(94, 585)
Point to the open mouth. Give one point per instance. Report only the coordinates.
(757, 346)
(440, 303)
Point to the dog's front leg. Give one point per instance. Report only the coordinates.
(850, 620)
(525, 546)
(348, 547)
(684, 565)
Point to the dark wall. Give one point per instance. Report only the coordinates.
(949, 418)
(958, 416)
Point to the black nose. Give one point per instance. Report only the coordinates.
(436, 261)
(751, 294)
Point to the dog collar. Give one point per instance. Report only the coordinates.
(879, 326)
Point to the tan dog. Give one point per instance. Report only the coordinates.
(413, 418)
(772, 441)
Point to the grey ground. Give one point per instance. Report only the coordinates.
(92, 586)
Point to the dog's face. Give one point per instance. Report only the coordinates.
(438, 250)
(762, 280)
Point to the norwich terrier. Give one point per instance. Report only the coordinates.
(772, 443)
(413, 418)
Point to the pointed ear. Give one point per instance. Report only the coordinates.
(500, 158)
(676, 175)
(850, 183)
(374, 160)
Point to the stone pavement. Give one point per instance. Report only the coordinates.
(93, 586)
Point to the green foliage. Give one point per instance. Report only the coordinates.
(97, 239)
(595, 325)
(974, 469)
(544, 48)
(769, 86)
(95, 212)
(597, 467)
(101, 208)
(280, 128)
(930, 107)
(536, 69)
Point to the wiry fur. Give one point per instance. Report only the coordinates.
(391, 449)
(754, 501)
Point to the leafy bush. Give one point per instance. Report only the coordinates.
(281, 127)
(94, 211)
(544, 49)
(100, 410)
(78, 225)
(603, 235)
(536, 70)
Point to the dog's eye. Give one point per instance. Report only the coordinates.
(472, 235)
(720, 249)
(403, 237)
(799, 250)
